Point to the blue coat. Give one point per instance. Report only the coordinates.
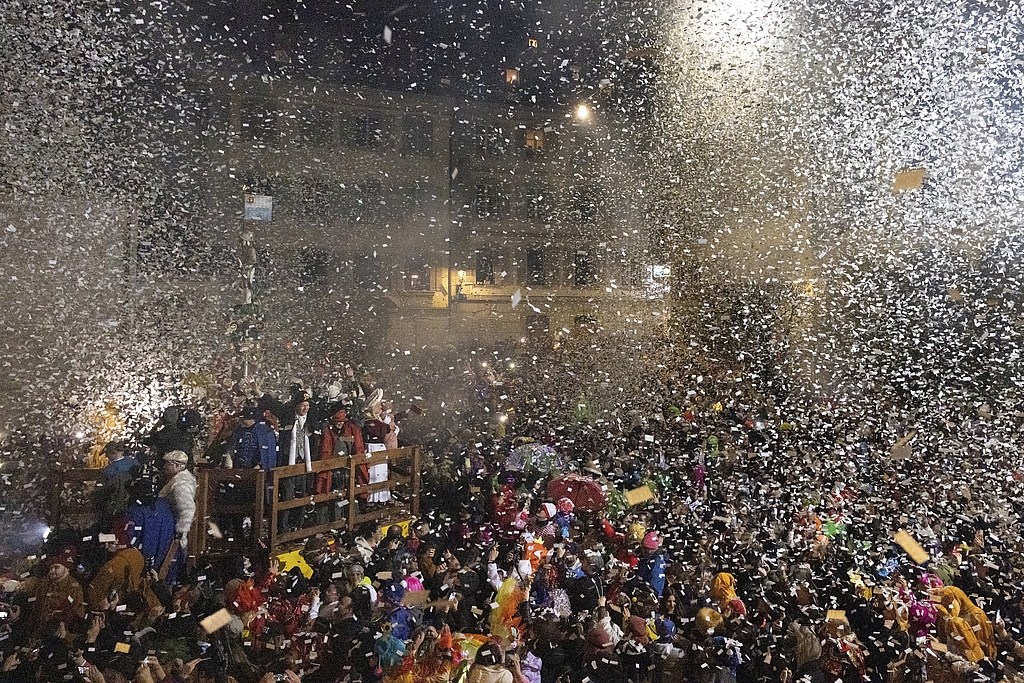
(254, 446)
(152, 527)
(652, 570)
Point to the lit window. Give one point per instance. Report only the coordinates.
(535, 139)
(511, 75)
(417, 275)
(532, 42)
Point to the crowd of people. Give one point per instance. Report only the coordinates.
(728, 542)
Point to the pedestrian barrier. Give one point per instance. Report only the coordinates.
(403, 469)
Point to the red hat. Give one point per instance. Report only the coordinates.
(565, 506)
(549, 509)
(65, 557)
(598, 638)
(638, 628)
(651, 540)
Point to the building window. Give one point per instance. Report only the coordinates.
(487, 200)
(512, 76)
(313, 128)
(587, 204)
(417, 275)
(418, 135)
(535, 204)
(535, 274)
(417, 195)
(532, 42)
(535, 139)
(583, 269)
(368, 129)
(490, 140)
(363, 202)
(485, 267)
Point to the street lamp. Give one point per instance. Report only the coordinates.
(582, 112)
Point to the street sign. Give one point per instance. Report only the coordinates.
(258, 207)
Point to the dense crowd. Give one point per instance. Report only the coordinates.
(722, 541)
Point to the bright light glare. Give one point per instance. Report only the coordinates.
(582, 112)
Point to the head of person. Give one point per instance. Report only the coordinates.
(301, 401)
(114, 451)
(170, 415)
(315, 549)
(60, 565)
(489, 654)
(174, 462)
(345, 608)
(394, 536)
(340, 417)
(651, 542)
(251, 414)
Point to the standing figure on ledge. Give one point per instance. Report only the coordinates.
(246, 256)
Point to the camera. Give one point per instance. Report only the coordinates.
(279, 678)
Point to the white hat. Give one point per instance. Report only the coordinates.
(525, 568)
(177, 457)
(549, 509)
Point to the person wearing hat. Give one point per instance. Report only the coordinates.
(634, 649)
(180, 492)
(299, 432)
(342, 438)
(253, 443)
(375, 432)
(599, 659)
(58, 596)
(668, 657)
(170, 434)
(652, 567)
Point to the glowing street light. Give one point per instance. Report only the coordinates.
(582, 112)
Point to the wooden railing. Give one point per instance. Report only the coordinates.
(80, 511)
(211, 506)
(403, 468)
